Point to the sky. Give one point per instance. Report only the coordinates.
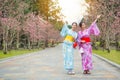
(74, 10)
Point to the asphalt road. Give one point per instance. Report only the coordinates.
(48, 65)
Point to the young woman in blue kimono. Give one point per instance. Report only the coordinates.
(68, 51)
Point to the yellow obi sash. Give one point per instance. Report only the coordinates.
(69, 38)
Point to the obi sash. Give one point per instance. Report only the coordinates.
(86, 39)
(69, 38)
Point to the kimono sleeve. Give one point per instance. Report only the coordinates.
(76, 35)
(93, 29)
(64, 31)
(78, 40)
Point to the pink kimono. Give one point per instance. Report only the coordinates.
(86, 47)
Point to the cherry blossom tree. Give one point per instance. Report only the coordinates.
(9, 29)
(17, 20)
(109, 22)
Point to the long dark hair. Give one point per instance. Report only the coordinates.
(80, 24)
(74, 23)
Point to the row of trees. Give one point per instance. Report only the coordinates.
(23, 23)
(109, 22)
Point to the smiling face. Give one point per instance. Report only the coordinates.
(82, 25)
(74, 25)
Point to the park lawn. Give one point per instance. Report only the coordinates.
(114, 56)
(16, 53)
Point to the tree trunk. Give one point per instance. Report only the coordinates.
(38, 44)
(46, 43)
(17, 43)
(117, 41)
(5, 36)
(52, 43)
(29, 44)
(107, 43)
(1, 42)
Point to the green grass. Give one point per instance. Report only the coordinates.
(16, 52)
(98, 43)
(113, 56)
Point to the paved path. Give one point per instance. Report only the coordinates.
(48, 65)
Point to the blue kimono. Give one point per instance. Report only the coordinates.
(68, 50)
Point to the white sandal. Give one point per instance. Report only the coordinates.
(71, 73)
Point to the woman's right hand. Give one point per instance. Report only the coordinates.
(82, 41)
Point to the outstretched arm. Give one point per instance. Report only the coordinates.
(98, 16)
(64, 30)
(93, 29)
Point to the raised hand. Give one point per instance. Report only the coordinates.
(98, 16)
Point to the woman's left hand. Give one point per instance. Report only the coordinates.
(83, 41)
(98, 16)
(74, 44)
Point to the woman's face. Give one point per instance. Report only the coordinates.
(74, 26)
(83, 25)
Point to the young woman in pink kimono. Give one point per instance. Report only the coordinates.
(84, 44)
